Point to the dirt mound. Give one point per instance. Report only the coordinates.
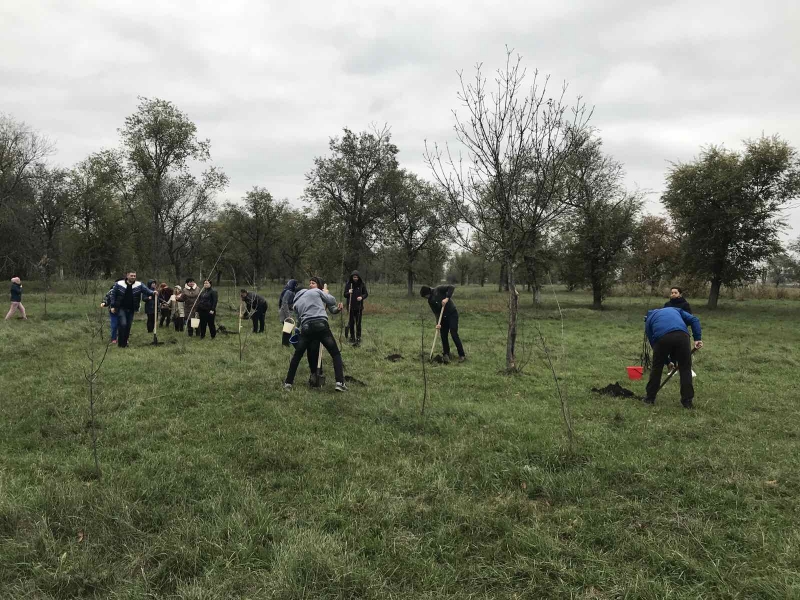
(615, 390)
(354, 381)
(394, 357)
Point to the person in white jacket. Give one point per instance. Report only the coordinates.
(177, 307)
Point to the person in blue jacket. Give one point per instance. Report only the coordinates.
(108, 302)
(667, 330)
(126, 296)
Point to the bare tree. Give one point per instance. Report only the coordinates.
(21, 148)
(518, 142)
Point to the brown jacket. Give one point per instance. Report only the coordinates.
(189, 296)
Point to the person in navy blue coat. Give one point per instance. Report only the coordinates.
(126, 297)
(667, 330)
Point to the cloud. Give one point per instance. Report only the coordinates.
(270, 83)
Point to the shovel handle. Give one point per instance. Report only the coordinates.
(435, 335)
(671, 373)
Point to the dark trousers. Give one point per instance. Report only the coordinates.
(450, 325)
(258, 321)
(165, 315)
(124, 322)
(320, 332)
(178, 323)
(354, 324)
(151, 322)
(207, 321)
(677, 345)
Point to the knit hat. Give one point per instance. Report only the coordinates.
(424, 291)
(16, 280)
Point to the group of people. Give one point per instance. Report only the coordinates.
(194, 309)
(189, 307)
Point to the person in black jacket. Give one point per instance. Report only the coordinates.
(150, 306)
(16, 299)
(676, 300)
(255, 307)
(440, 299)
(355, 292)
(206, 308)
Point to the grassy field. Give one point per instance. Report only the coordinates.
(217, 484)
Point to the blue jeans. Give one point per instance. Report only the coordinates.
(113, 318)
(124, 322)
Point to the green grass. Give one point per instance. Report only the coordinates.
(217, 484)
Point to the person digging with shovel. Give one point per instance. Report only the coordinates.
(310, 306)
(440, 301)
(667, 330)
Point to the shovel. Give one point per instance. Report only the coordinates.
(155, 323)
(436, 335)
(671, 373)
(318, 379)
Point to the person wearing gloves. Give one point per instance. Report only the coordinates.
(16, 299)
(355, 292)
(676, 300)
(189, 298)
(667, 330)
(310, 307)
(150, 308)
(255, 308)
(177, 308)
(439, 299)
(206, 309)
(126, 297)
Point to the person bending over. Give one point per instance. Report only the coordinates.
(255, 307)
(667, 330)
(440, 299)
(310, 305)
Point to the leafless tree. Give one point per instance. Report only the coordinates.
(518, 141)
(21, 148)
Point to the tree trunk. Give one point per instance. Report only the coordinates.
(410, 282)
(597, 296)
(502, 281)
(513, 306)
(713, 297)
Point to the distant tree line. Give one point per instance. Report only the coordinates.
(529, 196)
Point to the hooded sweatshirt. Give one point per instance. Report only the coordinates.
(679, 302)
(286, 300)
(310, 305)
(359, 288)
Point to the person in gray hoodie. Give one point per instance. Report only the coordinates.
(310, 306)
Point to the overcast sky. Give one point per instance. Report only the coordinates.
(269, 83)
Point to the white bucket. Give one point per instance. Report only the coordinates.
(288, 325)
(194, 322)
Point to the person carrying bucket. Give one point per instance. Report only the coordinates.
(667, 330)
(285, 308)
